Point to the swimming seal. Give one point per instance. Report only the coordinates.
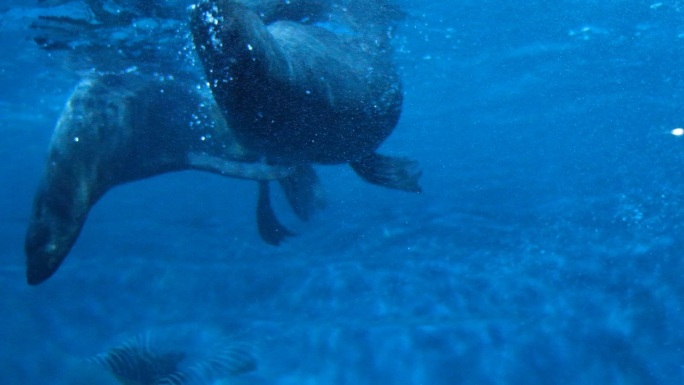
(125, 127)
(300, 94)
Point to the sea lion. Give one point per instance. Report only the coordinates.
(299, 94)
(119, 128)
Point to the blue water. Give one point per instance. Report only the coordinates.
(546, 247)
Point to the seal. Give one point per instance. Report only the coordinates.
(298, 93)
(119, 128)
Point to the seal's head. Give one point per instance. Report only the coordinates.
(59, 213)
(113, 130)
(119, 128)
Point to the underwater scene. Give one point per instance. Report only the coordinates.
(293, 192)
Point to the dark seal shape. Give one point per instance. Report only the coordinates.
(301, 94)
(125, 127)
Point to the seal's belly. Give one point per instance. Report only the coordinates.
(302, 130)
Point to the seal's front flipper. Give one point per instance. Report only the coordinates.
(237, 169)
(236, 50)
(391, 172)
(303, 191)
(270, 229)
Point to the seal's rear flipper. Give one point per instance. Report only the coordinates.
(270, 229)
(391, 172)
(303, 191)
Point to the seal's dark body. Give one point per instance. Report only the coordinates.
(294, 92)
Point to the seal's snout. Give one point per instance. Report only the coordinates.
(54, 226)
(43, 256)
(37, 270)
(35, 240)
